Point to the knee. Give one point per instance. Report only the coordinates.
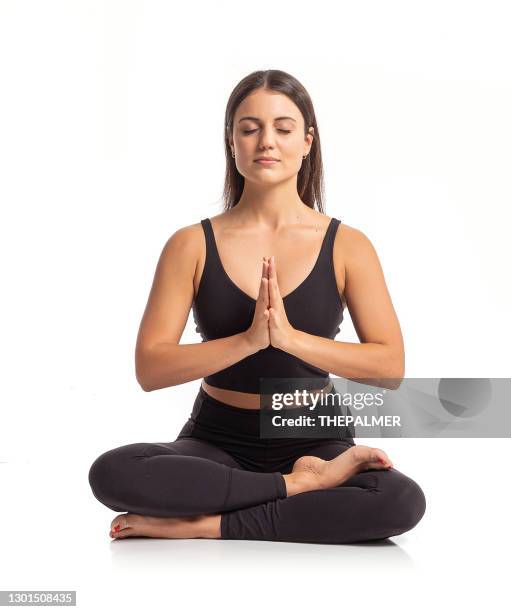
(110, 471)
(409, 505)
(101, 476)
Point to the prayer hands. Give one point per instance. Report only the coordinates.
(279, 327)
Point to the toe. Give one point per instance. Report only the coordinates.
(119, 523)
(123, 533)
(124, 521)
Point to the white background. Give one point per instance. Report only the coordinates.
(111, 139)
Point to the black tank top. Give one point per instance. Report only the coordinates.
(222, 309)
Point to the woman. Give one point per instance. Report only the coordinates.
(262, 316)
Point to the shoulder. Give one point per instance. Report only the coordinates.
(185, 244)
(345, 239)
(185, 237)
(355, 254)
(190, 240)
(352, 241)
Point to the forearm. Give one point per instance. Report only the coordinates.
(369, 361)
(167, 365)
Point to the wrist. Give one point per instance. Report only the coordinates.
(291, 340)
(247, 344)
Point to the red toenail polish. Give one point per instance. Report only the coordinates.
(116, 528)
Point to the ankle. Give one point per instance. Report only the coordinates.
(291, 485)
(297, 482)
(210, 526)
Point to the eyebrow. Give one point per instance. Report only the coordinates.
(276, 118)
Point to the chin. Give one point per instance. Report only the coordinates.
(266, 178)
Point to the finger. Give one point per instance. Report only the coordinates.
(266, 263)
(265, 276)
(265, 268)
(271, 292)
(272, 269)
(263, 291)
(270, 272)
(274, 292)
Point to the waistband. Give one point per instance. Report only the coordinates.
(252, 412)
(211, 417)
(206, 397)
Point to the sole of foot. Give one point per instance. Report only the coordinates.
(315, 473)
(129, 525)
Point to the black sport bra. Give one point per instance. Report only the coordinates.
(222, 309)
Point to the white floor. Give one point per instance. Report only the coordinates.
(55, 536)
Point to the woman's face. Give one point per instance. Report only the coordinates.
(269, 124)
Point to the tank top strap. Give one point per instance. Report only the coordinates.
(208, 232)
(327, 248)
(212, 265)
(210, 240)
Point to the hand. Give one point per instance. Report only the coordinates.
(258, 334)
(280, 328)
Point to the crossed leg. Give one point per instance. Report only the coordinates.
(372, 504)
(203, 491)
(188, 481)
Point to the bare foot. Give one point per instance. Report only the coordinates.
(312, 473)
(204, 526)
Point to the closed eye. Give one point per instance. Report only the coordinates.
(254, 130)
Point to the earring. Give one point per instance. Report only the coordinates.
(304, 156)
(232, 153)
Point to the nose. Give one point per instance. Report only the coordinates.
(266, 141)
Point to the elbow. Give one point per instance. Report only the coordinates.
(141, 374)
(144, 386)
(143, 382)
(151, 383)
(148, 378)
(395, 372)
(393, 383)
(151, 370)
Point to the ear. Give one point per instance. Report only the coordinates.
(309, 138)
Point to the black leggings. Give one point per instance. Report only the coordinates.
(219, 465)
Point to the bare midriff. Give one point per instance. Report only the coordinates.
(238, 399)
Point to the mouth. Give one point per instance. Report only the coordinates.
(266, 162)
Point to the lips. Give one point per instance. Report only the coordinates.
(266, 162)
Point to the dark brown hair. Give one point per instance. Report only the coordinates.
(310, 175)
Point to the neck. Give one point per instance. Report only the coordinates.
(273, 206)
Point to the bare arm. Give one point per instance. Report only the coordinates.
(380, 354)
(160, 360)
